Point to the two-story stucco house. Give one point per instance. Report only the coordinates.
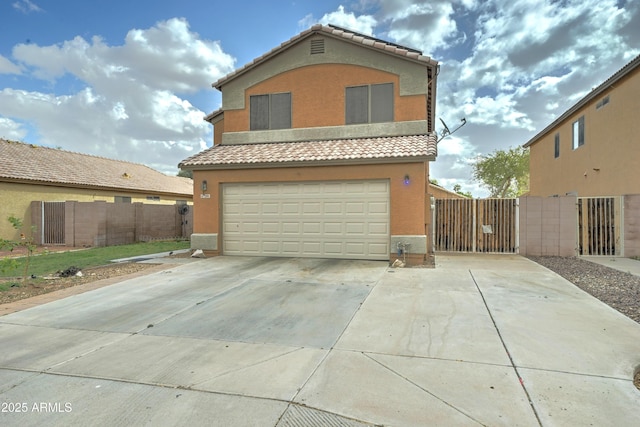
(593, 149)
(321, 149)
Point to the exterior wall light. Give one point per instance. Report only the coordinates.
(203, 186)
(407, 179)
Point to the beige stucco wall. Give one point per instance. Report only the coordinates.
(16, 200)
(608, 164)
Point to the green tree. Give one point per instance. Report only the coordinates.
(24, 242)
(504, 173)
(185, 173)
(458, 189)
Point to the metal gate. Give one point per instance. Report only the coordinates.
(599, 230)
(53, 223)
(476, 225)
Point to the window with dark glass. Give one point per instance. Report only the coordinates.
(270, 111)
(556, 150)
(369, 104)
(578, 133)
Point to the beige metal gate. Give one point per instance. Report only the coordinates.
(53, 223)
(599, 225)
(476, 225)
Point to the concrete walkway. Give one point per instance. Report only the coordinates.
(626, 265)
(230, 341)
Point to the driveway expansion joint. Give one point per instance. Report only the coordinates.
(506, 349)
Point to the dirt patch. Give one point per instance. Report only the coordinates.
(18, 290)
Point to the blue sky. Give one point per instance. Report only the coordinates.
(131, 79)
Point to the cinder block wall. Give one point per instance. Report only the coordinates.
(548, 226)
(90, 224)
(632, 225)
(121, 223)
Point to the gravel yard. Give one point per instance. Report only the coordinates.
(617, 289)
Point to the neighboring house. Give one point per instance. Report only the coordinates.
(439, 192)
(321, 149)
(36, 173)
(593, 149)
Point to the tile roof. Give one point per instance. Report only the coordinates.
(25, 162)
(282, 154)
(598, 91)
(334, 31)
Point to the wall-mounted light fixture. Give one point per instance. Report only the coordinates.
(203, 186)
(407, 179)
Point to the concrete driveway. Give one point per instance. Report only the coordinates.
(230, 341)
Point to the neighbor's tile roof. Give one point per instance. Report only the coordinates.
(278, 154)
(334, 31)
(25, 162)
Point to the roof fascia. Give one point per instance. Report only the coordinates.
(319, 30)
(347, 162)
(595, 93)
(90, 187)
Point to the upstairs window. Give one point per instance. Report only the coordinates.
(271, 111)
(556, 144)
(604, 101)
(578, 133)
(369, 104)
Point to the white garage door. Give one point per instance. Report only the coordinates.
(334, 219)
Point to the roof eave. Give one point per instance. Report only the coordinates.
(293, 164)
(92, 187)
(328, 32)
(603, 87)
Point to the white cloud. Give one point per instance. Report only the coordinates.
(426, 25)
(27, 6)
(8, 67)
(129, 104)
(11, 130)
(362, 24)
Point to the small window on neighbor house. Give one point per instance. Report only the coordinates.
(578, 133)
(271, 111)
(604, 101)
(556, 146)
(154, 198)
(369, 104)
(122, 199)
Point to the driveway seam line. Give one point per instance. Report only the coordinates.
(330, 350)
(506, 349)
(422, 388)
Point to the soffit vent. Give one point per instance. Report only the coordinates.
(317, 46)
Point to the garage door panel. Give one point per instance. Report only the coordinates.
(331, 228)
(333, 248)
(289, 208)
(270, 208)
(291, 247)
(378, 229)
(354, 228)
(355, 208)
(270, 247)
(380, 187)
(377, 249)
(335, 219)
(377, 208)
(313, 248)
(271, 228)
(290, 228)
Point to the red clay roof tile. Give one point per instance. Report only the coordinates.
(26, 162)
(394, 148)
